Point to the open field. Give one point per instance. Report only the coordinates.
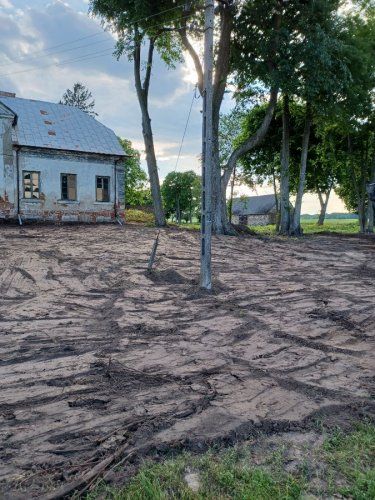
(97, 356)
(310, 226)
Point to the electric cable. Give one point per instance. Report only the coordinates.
(187, 123)
(89, 36)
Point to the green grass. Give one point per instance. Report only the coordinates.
(311, 226)
(344, 464)
(353, 457)
(132, 215)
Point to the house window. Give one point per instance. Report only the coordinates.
(68, 187)
(243, 220)
(31, 182)
(102, 189)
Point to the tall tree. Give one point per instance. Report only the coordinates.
(80, 98)
(139, 25)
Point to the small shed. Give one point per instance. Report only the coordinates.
(254, 210)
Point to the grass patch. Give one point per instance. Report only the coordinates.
(344, 464)
(222, 475)
(353, 457)
(132, 215)
(347, 226)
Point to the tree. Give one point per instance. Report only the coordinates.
(80, 98)
(135, 176)
(181, 192)
(140, 24)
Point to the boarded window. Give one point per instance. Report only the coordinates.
(68, 187)
(243, 220)
(102, 189)
(31, 184)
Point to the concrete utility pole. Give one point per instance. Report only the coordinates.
(206, 210)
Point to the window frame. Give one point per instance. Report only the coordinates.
(96, 188)
(32, 198)
(61, 187)
(241, 218)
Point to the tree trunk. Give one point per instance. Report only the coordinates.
(220, 222)
(231, 195)
(370, 207)
(323, 205)
(295, 229)
(178, 216)
(142, 94)
(276, 201)
(284, 182)
(356, 188)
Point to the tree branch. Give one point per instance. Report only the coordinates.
(146, 83)
(253, 141)
(223, 58)
(186, 43)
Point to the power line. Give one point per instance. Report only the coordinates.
(59, 52)
(69, 60)
(187, 123)
(89, 36)
(75, 59)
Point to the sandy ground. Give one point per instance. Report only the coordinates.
(95, 353)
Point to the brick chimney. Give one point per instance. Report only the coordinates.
(7, 94)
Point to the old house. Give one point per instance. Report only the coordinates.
(58, 164)
(255, 210)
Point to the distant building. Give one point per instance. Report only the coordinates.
(254, 210)
(58, 164)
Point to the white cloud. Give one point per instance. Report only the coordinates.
(5, 4)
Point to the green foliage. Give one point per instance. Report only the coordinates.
(80, 98)
(135, 177)
(183, 188)
(135, 21)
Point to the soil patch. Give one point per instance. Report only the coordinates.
(97, 355)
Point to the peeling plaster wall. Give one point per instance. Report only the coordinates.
(8, 171)
(50, 207)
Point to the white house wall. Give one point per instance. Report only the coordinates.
(50, 206)
(8, 171)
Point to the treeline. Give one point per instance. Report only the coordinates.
(302, 73)
(333, 216)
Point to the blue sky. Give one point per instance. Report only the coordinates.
(30, 26)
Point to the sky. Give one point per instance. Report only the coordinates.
(37, 34)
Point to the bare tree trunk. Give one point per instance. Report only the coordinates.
(284, 182)
(295, 228)
(142, 94)
(276, 200)
(370, 206)
(231, 195)
(323, 205)
(356, 188)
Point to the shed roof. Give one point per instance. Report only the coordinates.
(254, 205)
(57, 126)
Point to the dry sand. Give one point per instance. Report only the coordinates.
(94, 352)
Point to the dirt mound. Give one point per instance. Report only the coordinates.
(243, 230)
(168, 276)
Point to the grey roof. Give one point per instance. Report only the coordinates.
(57, 126)
(254, 205)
